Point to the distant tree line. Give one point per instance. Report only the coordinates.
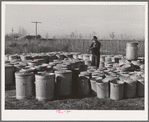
(21, 34)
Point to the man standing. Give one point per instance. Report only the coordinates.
(95, 49)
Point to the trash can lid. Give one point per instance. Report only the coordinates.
(49, 66)
(93, 67)
(141, 80)
(52, 63)
(40, 66)
(98, 71)
(91, 70)
(142, 66)
(44, 65)
(98, 74)
(34, 61)
(23, 73)
(63, 71)
(134, 77)
(83, 76)
(84, 73)
(27, 69)
(108, 79)
(100, 80)
(39, 59)
(8, 65)
(15, 62)
(117, 81)
(132, 43)
(129, 80)
(102, 68)
(86, 55)
(76, 69)
(93, 79)
(19, 65)
(7, 61)
(45, 74)
(113, 74)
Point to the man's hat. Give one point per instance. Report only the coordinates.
(94, 37)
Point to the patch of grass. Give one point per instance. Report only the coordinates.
(14, 44)
(24, 45)
(79, 103)
(68, 45)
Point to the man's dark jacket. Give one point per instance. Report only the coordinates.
(95, 48)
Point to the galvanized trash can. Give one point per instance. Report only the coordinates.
(24, 85)
(9, 74)
(84, 85)
(63, 83)
(140, 87)
(45, 86)
(116, 90)
(131, 51)
(130, 88)
(103, 90)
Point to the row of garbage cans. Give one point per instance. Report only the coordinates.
(61, 84)
(43, 85)
(64, 79)
(117, 89)
(66, 83)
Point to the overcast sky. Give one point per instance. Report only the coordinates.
(56, 20)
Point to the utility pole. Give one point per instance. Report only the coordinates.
(36, 27)
(12, 32)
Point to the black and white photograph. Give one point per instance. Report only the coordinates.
(74, 60)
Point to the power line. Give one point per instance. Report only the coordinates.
(36, 26)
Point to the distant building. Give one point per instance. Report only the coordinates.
(46, 39)
(29, 37)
